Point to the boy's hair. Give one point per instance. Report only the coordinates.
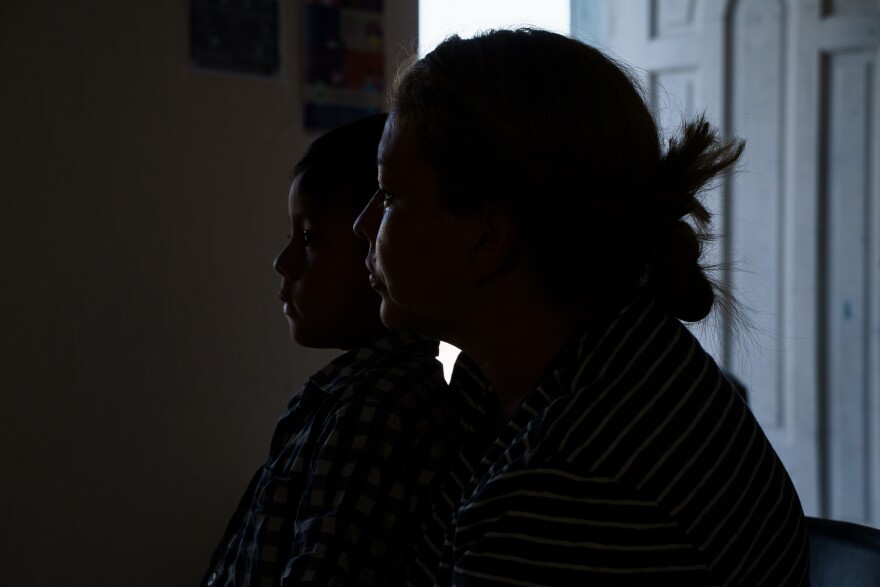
(342, 163)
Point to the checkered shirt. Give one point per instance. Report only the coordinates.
(352, 467)
(477, 413)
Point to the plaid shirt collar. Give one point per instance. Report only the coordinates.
(371, 356)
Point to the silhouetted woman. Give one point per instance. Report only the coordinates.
(529, 214)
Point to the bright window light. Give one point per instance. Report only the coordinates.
(440, 18)
(447, 356)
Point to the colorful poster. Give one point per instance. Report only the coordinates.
(344, 61)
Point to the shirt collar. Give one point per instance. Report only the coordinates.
(576, 365)
(570, 368)
(367, 357)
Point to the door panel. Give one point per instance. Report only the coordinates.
(799, 80)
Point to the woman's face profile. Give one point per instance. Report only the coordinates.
(417, 258)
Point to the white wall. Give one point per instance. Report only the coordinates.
(143, 355)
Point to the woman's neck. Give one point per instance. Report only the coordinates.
(514, 341)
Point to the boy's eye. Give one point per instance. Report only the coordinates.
(307, 238)
(386, 198)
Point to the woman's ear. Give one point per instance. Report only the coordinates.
(494, 243)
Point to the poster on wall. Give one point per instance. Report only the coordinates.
(344, 61)
(236, 36)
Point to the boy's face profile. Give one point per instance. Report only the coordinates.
(327, 297)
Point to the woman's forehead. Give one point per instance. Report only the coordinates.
(395, 139)
(399, 151)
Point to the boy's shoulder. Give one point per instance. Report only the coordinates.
(399, 372)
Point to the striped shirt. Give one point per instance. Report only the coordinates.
(634, 462)
(351, 467)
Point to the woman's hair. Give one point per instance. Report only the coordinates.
(560, 134)
(342, 163)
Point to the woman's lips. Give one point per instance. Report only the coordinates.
(371, 267)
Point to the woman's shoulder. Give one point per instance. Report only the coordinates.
(643, 384)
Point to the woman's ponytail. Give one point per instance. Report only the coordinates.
(675, 269)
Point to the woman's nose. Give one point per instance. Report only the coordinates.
(367, 222)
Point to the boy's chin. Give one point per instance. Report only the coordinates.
(307, 339)
(299, 338)
(335, 340)
(304, 336)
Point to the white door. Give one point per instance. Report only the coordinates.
(797, 79)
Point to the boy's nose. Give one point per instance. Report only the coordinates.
(284, 264)
(367, 222)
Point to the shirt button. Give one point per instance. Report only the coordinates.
(211, 579)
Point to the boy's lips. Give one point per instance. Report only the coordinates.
(287, 301)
